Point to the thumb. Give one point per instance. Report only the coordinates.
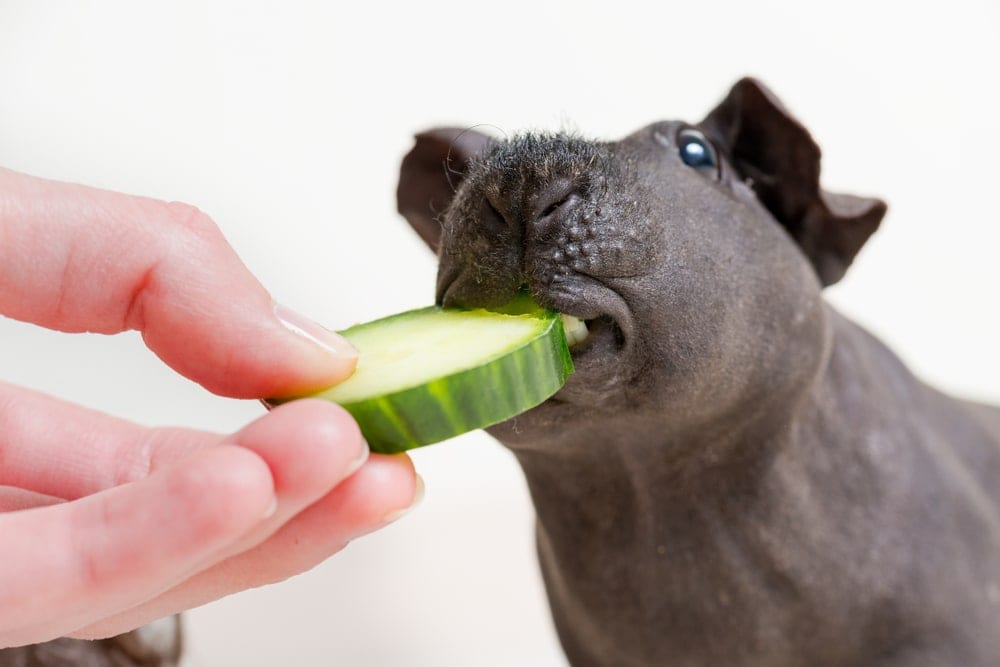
(81, 259)
(207, 317)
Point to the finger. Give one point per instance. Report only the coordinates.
(307, 446)
(373, 497)
(80, 259)
(13, 499)
(52, 447)
(68, 564)
(310, 446)
(60, 449)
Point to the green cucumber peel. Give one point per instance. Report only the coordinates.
(430, 374)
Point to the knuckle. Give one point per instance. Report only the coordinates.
(94, 567)
(191, 219)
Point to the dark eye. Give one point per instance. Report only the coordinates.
(697, 152)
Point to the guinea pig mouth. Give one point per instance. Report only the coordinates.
(596, 319)
(583, 336)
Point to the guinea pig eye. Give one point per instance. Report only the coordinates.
(697, 152)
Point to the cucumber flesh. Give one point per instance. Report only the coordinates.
(430, 374)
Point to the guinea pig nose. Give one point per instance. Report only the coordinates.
(558, 196)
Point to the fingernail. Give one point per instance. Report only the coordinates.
(356, 464)
(303, 326)
(271, 509)
(418, 495)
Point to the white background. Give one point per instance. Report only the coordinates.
(286, 122)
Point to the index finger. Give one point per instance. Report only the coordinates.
(75, 258)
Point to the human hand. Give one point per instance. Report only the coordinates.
(120, 524)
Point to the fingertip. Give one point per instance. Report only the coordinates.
(311, 445)
(419, 489)
(302, 357)
(363, 503)
(312, 331)
(386, 488)
(255, 355)
(380, 492)
(236, 487)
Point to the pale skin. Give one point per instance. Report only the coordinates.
(106, 525)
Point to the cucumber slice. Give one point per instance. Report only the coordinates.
(430, 374)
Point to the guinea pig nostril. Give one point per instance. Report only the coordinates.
(494, 217)
(557, 195)
(552, 208)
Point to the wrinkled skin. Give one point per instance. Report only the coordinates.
(736, 474)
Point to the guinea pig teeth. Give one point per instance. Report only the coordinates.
(575, 328)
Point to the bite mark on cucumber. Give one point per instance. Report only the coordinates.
(430, 374)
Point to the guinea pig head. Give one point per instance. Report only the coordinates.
(695, 253)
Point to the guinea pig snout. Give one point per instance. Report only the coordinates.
(542, 212)
(565, 243)
(561, 228)
(545, 209)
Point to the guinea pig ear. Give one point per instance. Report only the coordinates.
(774, 153)
(430, 174)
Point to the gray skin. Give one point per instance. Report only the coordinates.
(735, 474)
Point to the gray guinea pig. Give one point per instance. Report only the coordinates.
(735, 474)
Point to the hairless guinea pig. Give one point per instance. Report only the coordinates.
(736, 474)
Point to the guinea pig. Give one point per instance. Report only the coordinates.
(736, 474)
